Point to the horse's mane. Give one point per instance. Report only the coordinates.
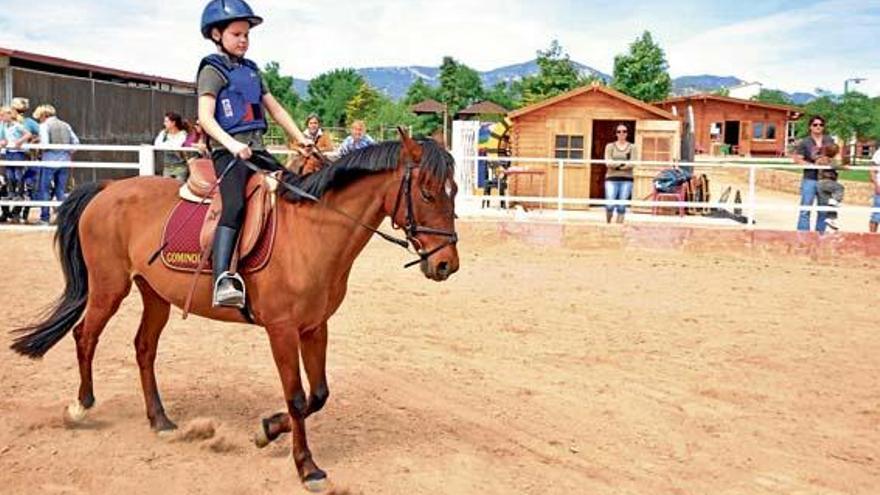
(436, 163)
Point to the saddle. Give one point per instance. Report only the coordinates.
(189, 230)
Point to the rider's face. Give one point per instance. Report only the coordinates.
(235, 38)
(313, 125)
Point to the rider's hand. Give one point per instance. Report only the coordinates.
(241, 150)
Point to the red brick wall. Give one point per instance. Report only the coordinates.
(809, 245)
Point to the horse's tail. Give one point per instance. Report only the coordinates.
(38, 338)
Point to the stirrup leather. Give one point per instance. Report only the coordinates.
(230, 295)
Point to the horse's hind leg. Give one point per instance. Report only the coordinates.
(105, 295)
(153, 320)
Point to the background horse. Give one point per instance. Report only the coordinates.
(107, 232)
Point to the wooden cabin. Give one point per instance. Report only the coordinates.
(578, 125)
(725, 125)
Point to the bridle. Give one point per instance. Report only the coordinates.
(411, 228)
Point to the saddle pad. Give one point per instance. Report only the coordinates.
(183, 251)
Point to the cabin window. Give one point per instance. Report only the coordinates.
(715, 131)
(657, 149)
(758, 130)
(569, 146)
(764, 131)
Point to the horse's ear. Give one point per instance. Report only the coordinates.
(410, 147)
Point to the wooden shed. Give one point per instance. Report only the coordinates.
(104, 105)
(740, 127)
(578, 125)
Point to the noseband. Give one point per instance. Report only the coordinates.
(411, 228)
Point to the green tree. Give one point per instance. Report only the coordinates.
(824, 106)
(773, 96)
(388, 116)
(419, 91)
(363, 105)
(281, 87)
(460, 85)
(557, 74)
(643, 72)
(508, 95)
(854, 115)
(329, 94)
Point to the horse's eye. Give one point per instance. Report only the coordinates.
(426, 196)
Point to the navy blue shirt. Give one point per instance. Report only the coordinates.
(807, 148)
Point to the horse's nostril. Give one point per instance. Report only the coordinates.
(443, 268)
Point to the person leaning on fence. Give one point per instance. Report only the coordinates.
(829, 192)
(52, 181)
(173, 135)
(195, 137)
(809, 152)
(13, 135)
(358, 139)
(619, 173)
(875, 180)
(233, 100)
(30, 176)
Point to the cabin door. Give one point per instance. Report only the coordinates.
(604, 132)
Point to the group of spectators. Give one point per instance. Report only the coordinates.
(819, 186)
(180, 133)
(41, 183)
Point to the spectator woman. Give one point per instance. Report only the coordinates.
(173, 135)
(619, 173)
(29, 179)
(809, 151)
(53, 181)
(13, 135)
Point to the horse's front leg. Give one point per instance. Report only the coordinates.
(314, 356)
(284, 341)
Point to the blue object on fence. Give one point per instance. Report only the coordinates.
(669, 180)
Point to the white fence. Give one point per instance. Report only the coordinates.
(465, 141)
(466, 175)
(144, 166)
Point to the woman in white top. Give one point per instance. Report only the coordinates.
(173, 136)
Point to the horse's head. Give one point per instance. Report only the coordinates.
(424, 205)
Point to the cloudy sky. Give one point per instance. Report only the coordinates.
(793, 45)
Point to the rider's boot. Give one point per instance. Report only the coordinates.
(228, 286)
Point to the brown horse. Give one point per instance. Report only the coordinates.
(107, 232)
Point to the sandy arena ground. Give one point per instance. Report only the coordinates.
(535, 370)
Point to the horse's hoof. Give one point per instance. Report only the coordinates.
(75, 413)
(165, 429)
(316, 482)
(261, 439)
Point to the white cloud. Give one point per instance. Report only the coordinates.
(801, 49)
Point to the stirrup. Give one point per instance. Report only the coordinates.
(229, 296)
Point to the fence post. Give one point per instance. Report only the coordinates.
(560, 184)
(146, 160)
(752, 189)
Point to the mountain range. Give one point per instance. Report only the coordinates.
(394, 81)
